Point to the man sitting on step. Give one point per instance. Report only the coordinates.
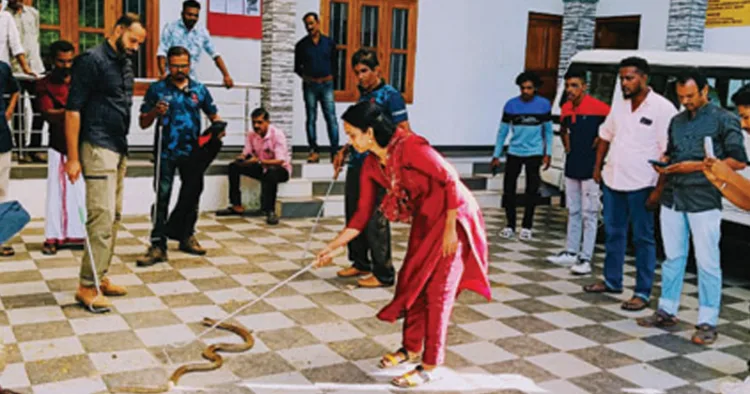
(265, 158)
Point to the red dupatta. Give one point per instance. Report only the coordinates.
(396, 205)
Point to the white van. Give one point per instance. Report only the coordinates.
(725, 73)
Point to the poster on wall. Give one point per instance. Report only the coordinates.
(727, 13)
(235, 18)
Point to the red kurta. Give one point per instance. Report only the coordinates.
(434, 187)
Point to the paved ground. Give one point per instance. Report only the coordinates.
(316, 335)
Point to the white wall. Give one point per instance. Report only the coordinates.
(467, 59)
(727, 40)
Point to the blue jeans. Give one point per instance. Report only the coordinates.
(13, 218)
(620, 209)
(320, 92)
(705, 228)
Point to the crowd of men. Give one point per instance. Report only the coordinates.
(656, 161)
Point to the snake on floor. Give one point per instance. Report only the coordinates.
(209, 354)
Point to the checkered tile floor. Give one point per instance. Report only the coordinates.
(318, 335)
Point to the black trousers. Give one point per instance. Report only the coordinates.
(533, 180)
(35, 140)
(269, 183)
(181, 222)
(376, 237)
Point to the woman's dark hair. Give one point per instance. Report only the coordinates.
(365, 115)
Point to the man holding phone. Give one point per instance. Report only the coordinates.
(265, 158)
(176, 102)
(690, 205)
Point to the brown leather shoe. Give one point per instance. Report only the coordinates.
(111, 290)
(350, 272)
(314, 157)
(370, 281)
(88, 296)
(191, 246)
(153, 255)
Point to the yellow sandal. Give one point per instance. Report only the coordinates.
(414, 378)
(391, 360)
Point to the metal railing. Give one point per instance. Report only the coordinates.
(235, 106)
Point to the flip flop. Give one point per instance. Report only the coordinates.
(7, 251)
(390, 360)
(634, 304)
(600, 287)
(416, 377)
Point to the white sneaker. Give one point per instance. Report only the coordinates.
(735, 388)
(582, 267)
(525, 234)
(563, 258)
(508, 233)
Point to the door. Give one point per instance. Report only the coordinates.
(543, 50)
(618, 32)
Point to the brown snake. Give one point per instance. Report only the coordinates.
(209, 354)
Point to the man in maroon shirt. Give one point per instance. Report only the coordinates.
(63, 225)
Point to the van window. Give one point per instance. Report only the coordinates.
(601, 85)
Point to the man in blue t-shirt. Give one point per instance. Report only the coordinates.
(527, 118)
(177, 102)
(376, 238)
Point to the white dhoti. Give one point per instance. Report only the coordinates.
(63, 223)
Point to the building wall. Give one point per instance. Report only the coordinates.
(467, 59)
(654, 15)
(727, 40)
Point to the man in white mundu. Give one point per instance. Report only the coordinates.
(63, 225)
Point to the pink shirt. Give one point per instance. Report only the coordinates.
(271, 147)
(635, 137)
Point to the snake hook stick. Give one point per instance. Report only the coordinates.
(209, 353)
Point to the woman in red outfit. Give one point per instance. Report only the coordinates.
(447, 250)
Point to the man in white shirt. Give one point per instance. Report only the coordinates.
(27, 24)
(634, 133)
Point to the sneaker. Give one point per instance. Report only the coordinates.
(154, 255)
(563, 258)
(526, 234)
(314, 157)
(581, 267)
(508, 233)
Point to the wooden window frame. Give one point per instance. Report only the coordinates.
(69, 30)
(384, 49)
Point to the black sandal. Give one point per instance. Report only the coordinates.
(7, 251)
(600, 287)
(49, 249)
(633, 305)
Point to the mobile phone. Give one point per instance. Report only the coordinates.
(658, 163)
(708, 146)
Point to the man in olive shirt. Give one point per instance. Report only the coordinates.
(691, 205)
(98, 110)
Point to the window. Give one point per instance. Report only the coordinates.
(86, 23)
(387, 26)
